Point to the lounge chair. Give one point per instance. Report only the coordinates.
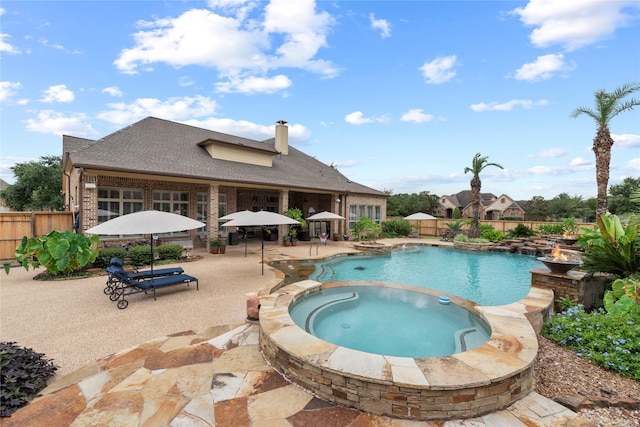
(128, 286)
(116, 265)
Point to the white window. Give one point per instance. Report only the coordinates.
(113, 202)
(172, 201)
(202, 208)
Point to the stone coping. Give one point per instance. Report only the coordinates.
(485, 379)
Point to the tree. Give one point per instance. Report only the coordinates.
(619, 196)
(37, 186)
(406, 204)
(607, 106)
(477, 165)
(537, 209)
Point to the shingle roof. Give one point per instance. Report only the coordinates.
(161, 147)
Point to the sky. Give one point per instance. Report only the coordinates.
(398, 95)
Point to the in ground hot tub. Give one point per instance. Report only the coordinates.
(487, 378)
(389, 321)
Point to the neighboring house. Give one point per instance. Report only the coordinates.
(3, 203)
(491, 207)
(168, 166)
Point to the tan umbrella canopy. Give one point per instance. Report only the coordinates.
(324, 216)
(146, 222)
(260, 218)
(419, 216)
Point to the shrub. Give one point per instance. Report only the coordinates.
(521, 230)
(23, 374)
(170, 251)
(550, 229)
(140, 255)
(365, 228)
(610, 342)
(105, 255)
(60, 252)
(396, 227)
(487, 231)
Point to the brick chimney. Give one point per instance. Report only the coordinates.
(282, 137)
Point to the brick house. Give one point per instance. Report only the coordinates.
(491, 207)
(168, 166)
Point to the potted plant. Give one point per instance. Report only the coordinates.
(286, 240)
(215, 245)
(295, 213)
(335, 237)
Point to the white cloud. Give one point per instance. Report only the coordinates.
(6, 47)
(252, 85)
(417, 116)
(45, 42)
(574, 23)
(380, 24)
(633, 165)
(579, 162)
(49, 121)
(544, 68)
(553, 153)
(57, 93)
(625, 141)
(171, 109)
(238, 47)
(508, 106)
(113, 91)
(246, 129)
(357, 118)
(8, 89)
(440, 70)
(185, 81)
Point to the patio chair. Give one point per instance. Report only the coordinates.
(127, 286)
(323, 238)
(116, 265)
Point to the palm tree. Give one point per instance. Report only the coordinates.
(608, 105)
(477, 165)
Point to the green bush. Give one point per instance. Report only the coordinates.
(140, 255)
(170, 251)
(105, 255)
(366, 229)
(610, 342)
(521, 230)
(60, 252)
(487, 231)
(550, 229)
(396, 227)
(23, 374)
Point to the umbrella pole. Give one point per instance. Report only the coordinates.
(152, 257)
(262, 255)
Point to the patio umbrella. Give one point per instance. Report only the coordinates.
(260, 218)
(419, 216)
(146, 222)
(237, 215)
(323, 216)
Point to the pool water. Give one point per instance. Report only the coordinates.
(486, 278)
(389, 321)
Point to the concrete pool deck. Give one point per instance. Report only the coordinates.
(187, 359)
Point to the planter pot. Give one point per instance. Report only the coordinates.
(286, 240)
(222, 249)
(335, 237)
(214, 250)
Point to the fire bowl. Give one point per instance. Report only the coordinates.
(558, 265)
(567, 241)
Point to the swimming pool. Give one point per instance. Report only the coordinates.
(389, 321)
(486, 278)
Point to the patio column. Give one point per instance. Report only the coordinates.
(212, 220)
(283, 206)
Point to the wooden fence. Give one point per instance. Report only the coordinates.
(436, 227)
(15, 225)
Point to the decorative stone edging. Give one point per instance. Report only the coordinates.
(482, 380)
(577, 402)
